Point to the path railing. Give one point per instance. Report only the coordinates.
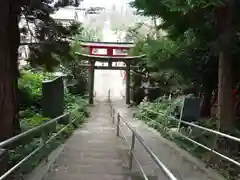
(39, 130)
(135, 136)
(210, 149)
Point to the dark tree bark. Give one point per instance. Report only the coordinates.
(9, 36)
(15, 42)
(207, 96)
(225, 107)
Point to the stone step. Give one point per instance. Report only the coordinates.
(94, 169)
(93, 177)
(139, 177)
(94, 149)
(92, 158)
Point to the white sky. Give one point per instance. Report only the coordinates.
(123, 17)
(108, 4)
(104, 3)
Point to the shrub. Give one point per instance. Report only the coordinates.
(30, 87)
(164, 122)
(31, 120)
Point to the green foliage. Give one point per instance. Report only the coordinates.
(187, 58)
(77, 82)
(188, 53)
(52, 48)
(23, 150)
(51, 53)
(31, 83)
(191, 27)
(159, 53)
(30, 87)
(180, 16)
(158, 116)
(77, 116)
(178, 64)
(75, 102)
(32, 121)
(53, 37)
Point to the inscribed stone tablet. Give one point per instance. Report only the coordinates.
(191, 109)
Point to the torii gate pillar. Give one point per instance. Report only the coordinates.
(128, 83)
(91, 82)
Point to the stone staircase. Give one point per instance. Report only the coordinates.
(94, 152)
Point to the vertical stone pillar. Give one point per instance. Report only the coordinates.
(128, 83)
(91, 82)
(53, 98)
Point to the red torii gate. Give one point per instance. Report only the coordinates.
(110, 56)
(108, 46)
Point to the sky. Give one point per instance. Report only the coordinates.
(108, 4)
(104, 3)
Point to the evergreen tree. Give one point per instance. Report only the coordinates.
(47, 32)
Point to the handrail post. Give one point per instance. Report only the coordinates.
(109, 95)
(113, 117)
(111, 112)
(180, 119)
(118, 123)
(131, 152)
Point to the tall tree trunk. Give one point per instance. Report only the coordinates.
(15, 42)
(225, 107)
(8, 69)
(207, 96)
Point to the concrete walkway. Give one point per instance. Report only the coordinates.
(93, 152)
(180, 162)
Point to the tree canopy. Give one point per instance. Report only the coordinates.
(201, 46)
(53, 43)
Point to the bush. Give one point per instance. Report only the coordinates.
(32, 120)
(30, 87)
(165, 121)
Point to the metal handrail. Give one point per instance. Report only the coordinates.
(28, 133)
(199, 127)
(205, 129)
(135, 135)
(133, 154)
